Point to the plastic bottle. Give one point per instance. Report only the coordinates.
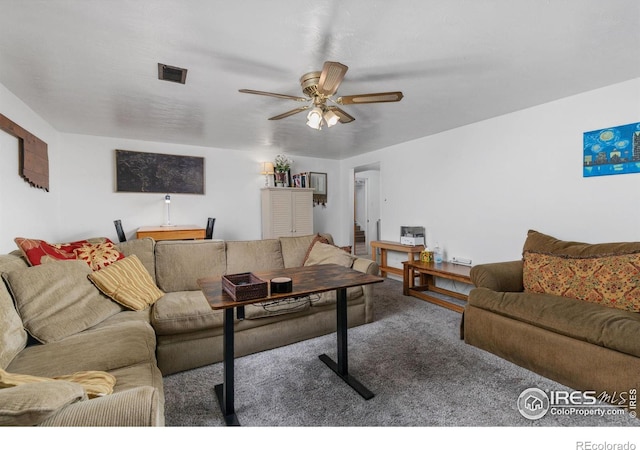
(437, 254)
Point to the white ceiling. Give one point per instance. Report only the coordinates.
(90, 66)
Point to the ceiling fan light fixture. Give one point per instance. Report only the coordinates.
(331, 118)
(314, 118)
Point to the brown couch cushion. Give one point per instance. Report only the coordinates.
(583, 271)
(607, 327)
(542, 243)
(612, 281)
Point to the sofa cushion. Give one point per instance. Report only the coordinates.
(317, 238)
(295, 248)
(607, 327)
(184, 312)
(144, 249)
(179, 264)
(13, 261)
(107, 348)
(354, 294)
(95, 383)
(96, 252)
(13, 337)
(128, 283)
(612, 281)
(276, 307)
(57, 300)
(542, 243)
(254, 256)
(322, 253)
(31, 404)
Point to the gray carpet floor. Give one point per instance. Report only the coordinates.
(411, 357)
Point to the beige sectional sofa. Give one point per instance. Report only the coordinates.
(568, 311)
(84, 330)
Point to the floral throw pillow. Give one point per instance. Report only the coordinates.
(97, 253)
(609, 280)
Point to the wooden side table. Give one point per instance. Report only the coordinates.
(385, 246)
(427, 272)
(171, 232)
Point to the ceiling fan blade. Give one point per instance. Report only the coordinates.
(271, 94)
(331, 77)
(379, 97)
(289, 113)
(343, 116)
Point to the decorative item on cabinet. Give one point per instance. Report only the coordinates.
(282, 165)
(267, 170)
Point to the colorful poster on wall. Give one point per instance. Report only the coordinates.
(612, 151)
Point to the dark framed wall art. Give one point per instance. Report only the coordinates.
(159, 173)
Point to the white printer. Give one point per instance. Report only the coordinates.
(412, 235)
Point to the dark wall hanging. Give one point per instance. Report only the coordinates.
(157, 172)
(33, 156)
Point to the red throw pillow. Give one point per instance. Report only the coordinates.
(97, 253)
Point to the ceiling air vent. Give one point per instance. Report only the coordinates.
(170, 73)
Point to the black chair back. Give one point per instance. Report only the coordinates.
(120, 231)
(210, 223)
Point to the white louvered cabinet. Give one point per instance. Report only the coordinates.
(286, 212)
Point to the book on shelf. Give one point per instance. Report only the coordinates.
(300, 180)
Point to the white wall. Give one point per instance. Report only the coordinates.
(82, 201)
(24, 210)
(478, 189)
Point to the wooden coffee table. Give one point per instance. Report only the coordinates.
(306, 281)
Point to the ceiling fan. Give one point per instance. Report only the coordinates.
(319, 88)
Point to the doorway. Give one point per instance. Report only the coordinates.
(366, 208)
(361, 236)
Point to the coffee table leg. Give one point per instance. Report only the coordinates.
(342, 367)
(225, 391)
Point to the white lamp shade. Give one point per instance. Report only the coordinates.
(331, 118)
(267, 168)
(314, 118)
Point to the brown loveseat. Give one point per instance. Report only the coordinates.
(590, 342)
(80, 329)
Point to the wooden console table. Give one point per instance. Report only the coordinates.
(384, 246)
(428, 271)
(172, 232)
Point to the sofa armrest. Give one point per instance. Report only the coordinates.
(365, 265)
(500, 277)
(138, 407)
(370, 267)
